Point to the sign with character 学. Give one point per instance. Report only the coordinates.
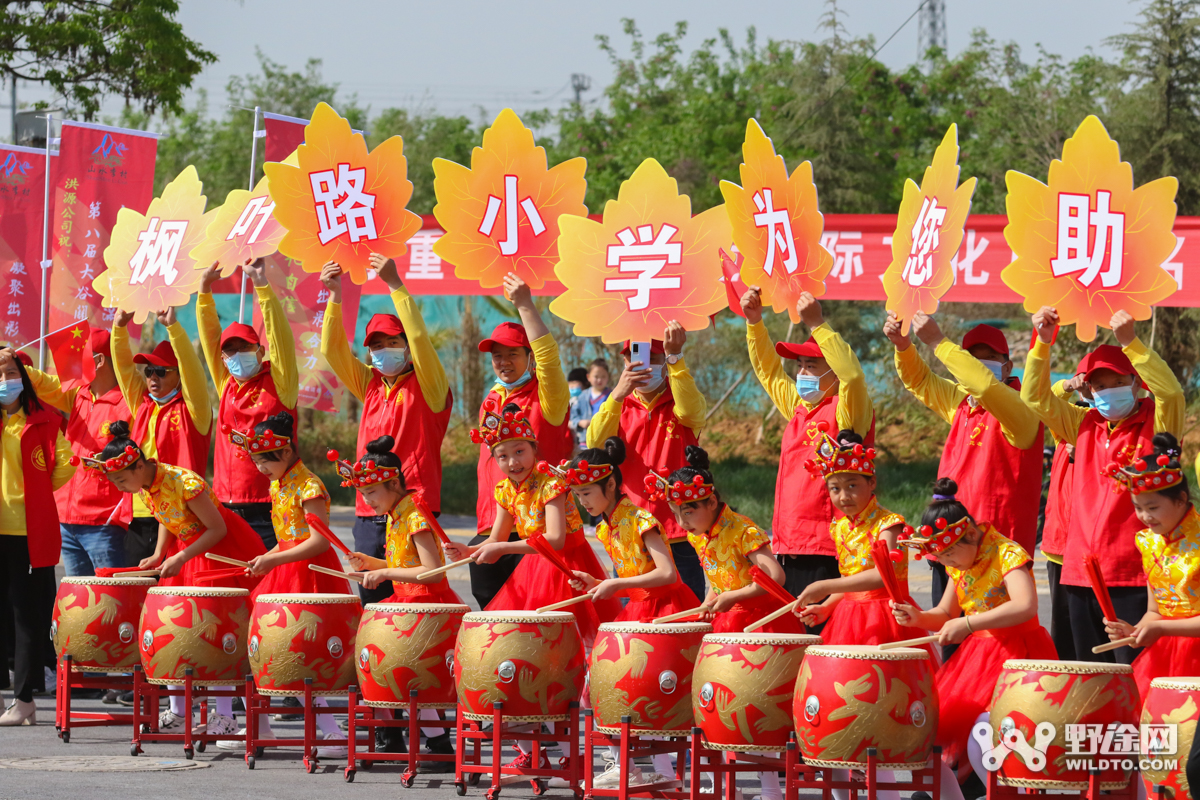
(648, 262)
(1089, 244)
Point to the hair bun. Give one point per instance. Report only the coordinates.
(615, 447)
(118, 429)
(383, 444)
(696, 457)
(945, 487)
(284, 417)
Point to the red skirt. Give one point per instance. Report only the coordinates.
(240, 542)
(1169, 657)
(740, 615)
(439, 592)
(295, 577)
(537, 582)
(965, 683)
(866, 618)
(649, 604)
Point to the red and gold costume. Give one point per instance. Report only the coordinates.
(622, 533)
(404, 521)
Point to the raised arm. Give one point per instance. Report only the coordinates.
(191, 373)
(132, 382)
(1169, 402)
(280, 339)
(939, 395)
(431, 375)
(354, 374)
(1017, 420)
(1061, 417)
(690, 406)
(767, 365)
(209, 326)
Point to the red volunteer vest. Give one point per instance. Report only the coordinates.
(404, 415)
(89, 498)
(38, 440)
(654, 439)
(243, 405)
(1058, 503)
(1102, 519)
(554, 444)
(803, 509)
(176, 440)
(996, 481)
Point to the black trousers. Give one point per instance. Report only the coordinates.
(1087, 620)
(691, 571)
(1060, 614)
(486, 579)
(140, 539)
(258, 515)
(1193, 764)
(940, 581)
(30, 594)
(801, 570)
(370, 539)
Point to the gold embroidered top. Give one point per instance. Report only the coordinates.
(1172, 566)
(621, 534)
(168, 496)
(981, 586)
(724, 551)
(853, 538)
(527, 502)
(288, 495)
(405, 520)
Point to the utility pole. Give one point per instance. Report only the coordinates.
(12, 77)
(580, 83)
(931, 28)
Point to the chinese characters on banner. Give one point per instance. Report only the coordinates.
(99, 171)
(243, 229)
(22, 199)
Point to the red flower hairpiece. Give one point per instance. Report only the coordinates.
(830, 457)
(252, 443)
(679, 492)
(1141, 477)
(496, 428)
(582, 474)
(114, 464)
(361, 475)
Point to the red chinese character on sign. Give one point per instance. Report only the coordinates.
(1076, 221)
(925, 239)
(779, 231)
(157, 252)
(342, 205)
(645, 255)
(508, 247)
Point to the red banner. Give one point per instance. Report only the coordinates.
(99, 171)
(22, 208)
(283, 135)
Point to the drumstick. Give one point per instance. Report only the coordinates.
(227, 560)
(774, 615)
(133, 573)
(672, 617)
(920, 640)
(423, 507)
(447, 568)
(565, 603)
(1104, 648)
(334, 573)
(320, 527)
(207, 575)
(1091, 565)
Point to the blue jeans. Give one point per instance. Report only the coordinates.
(86, 548)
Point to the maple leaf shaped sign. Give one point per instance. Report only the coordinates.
(649, 262)
(243, 230)
(339, 202)
(502, 215)
(1089, 244)
(776, 225)
(149, 266)
(929, 229)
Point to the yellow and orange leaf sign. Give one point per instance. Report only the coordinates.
(929, 229)
(502, 215)
(341, 203)
(777, 225)
(1089, 244)
(244, 230)
(149, 261)
(649, 262)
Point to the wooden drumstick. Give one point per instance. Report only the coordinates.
(227, 560)
(1104, 648)
(447, 568)
(774, 615)
(139, 573)
(564, 603)
(693, 612)
(334, 573)
(920, 640)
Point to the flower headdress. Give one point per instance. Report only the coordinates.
(361, 475)
(934, 540)
(1141, 476)
(115, 464)
(679, 492)
(506, 426)
(582, 474)
(265, 442)
(831, 457)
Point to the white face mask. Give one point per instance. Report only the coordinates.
(658, 376)
(809, 386)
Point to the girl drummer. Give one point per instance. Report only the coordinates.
(728, 544)
(1170, 548)
(989, 607)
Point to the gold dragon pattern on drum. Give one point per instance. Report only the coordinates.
(404, 642)
(520, 645)
(605, 674)
(192, 645)
(765, 684)
(286, 665)
(71, 636)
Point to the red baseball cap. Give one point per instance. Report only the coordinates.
(1107, 356)
(25, 358)
(163, 355)
(240, 330)
(656, 346)
(809, 349)
(507, 334)
(986, 334)
(1083, 364)
(385, 325)
(101, 341)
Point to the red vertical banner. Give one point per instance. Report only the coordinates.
(99, 171)
(22, 208)
(283, 135)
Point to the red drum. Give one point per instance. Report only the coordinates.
(1029, 694)
(742, 689)
(533, 663)
(195, 626)
(1171, 701)
(406, 646)
(96, 622)
(644, 671)
(852, 697)
(298, 636)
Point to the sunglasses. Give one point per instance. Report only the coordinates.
(159, 372)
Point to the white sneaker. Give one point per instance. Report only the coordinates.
(233, 745)
(221, 725)
(612, 776)
(332, 751)
(170, 722)
(651, 777)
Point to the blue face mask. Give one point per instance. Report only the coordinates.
(167, 399)
(1115, 403)
(809, 387)
(390, 360)
(243, 365)
(997, 368)
(10, 390)
(576, 391)
(521, 381)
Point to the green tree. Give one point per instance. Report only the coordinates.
(426, 137)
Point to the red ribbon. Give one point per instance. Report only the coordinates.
(767, 583)
(320, 527)
(423, 507)
(883, 563)
(1091, 565)
(538, 543)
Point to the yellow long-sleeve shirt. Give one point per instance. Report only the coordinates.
(355, 375)
(1063, 418)
(690, 406)
(554, 395)
(943, 397)
(281, 344)
(855, 410)
(12, 479)
(49, 390)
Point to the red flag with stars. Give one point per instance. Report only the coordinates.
(734, 288)
(71, 350)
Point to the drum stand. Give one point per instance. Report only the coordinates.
(565, 732)
(412, 723)
(803, 776)
(146, 697)
(630, 745)
(259, 704)
(1092, 792)
(68, 679)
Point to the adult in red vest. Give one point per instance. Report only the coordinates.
(404, 393)
(829, 387)
(251, 389)
(34, 462)
(1118, 430)
(167, 395)
(528, 373)
(657, 411)
(994, 449)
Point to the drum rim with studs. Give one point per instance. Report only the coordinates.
(1185, 683)
(418, 608)
(866, 652)
(309, 599)
(519, 617)
(198, 591)
(1068, 667)
(650, 627)
(92, 580)
(807, 639)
